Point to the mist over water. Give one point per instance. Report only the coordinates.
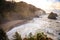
(41, 24)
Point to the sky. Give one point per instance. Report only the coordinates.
(47, 5)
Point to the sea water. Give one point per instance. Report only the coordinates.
(49, 26)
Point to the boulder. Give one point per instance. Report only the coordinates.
(52, 15)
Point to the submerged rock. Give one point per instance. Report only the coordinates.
(52, 15)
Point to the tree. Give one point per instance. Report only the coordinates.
(2, 6)
(2, 1)
(3, 35)
(41, 36)
(30, 37)
(17, 36)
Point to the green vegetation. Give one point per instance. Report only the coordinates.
(17, 36)
(3, 35)
(30, 37)
(38, 36)
(21, 10)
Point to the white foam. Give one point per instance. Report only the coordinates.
(37, 23)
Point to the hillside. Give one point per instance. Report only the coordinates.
(17, 11)
(12, 12)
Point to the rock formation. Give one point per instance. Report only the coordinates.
(18, 11)
(52, 15)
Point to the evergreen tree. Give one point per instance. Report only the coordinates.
(40, 36)
(30, 37)
(3, 35)
(17, 36)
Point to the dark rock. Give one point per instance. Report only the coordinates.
(52, 15)
(58, 33)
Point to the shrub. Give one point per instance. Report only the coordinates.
(17, 36)
(3, 35)
(38, 36)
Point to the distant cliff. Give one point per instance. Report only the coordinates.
(18, 11)
(12, 13)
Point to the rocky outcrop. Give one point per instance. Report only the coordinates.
(52, 15)
(12, 12)
(19, 10)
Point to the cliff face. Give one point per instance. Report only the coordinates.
(18, 11)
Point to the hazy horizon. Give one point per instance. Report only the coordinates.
(47, 5)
